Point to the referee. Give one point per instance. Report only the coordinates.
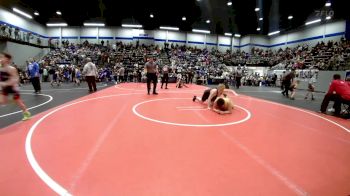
(152, 70)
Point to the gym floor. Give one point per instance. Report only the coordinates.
(55, 96)
(121, 141)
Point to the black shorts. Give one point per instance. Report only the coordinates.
(10, 90)
(311, 88)
(205, 95)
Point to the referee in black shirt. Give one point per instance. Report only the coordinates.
(152, 70)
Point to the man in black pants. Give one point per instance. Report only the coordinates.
(90, 72)
(190, 76)
(33, 71)
(238, 73)
(152, 70)
(165, 77)
(287, 81)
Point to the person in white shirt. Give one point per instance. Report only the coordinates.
(311, 88)
(180, 81)
(90, 73)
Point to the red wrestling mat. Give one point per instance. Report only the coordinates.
(121, 141)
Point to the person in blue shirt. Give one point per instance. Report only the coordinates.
(33, 72)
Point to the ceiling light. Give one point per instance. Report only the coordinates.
(258, 29)
(312, 22)
(36, 13)
(170, 28)
(328, 18)
(56, 24)
(22, 13)
(260, 19)
(58, 12)
(151, 15)
(228, 34)
(257, 9)
(208, 21)
(274, 33)
(328, 4)
(200, 31)
(229, 3)
(290, 17)
(237, 35)
(94, 24)
(131, 26)
(184, 18)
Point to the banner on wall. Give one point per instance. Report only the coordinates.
(347, 30)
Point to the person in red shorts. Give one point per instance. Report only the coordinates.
(9, 84)
(339, 92)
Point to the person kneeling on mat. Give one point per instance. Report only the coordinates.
(180, 81)
(211, 95)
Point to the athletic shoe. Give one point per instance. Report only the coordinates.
(194, 98)
(26, 116)
(292, 98)
(331, 110)
(155, 93)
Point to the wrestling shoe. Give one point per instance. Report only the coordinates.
(26, 116)
(194, 98)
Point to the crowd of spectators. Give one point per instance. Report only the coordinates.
(323, 56)
(125, 62)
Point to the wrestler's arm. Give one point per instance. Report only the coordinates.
(212, 92)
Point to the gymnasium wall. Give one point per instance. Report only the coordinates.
(224, 43)
(26, 25)
(324, 78)
(245, 43)
(21, 53)
(211, 42)
(310, 35)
